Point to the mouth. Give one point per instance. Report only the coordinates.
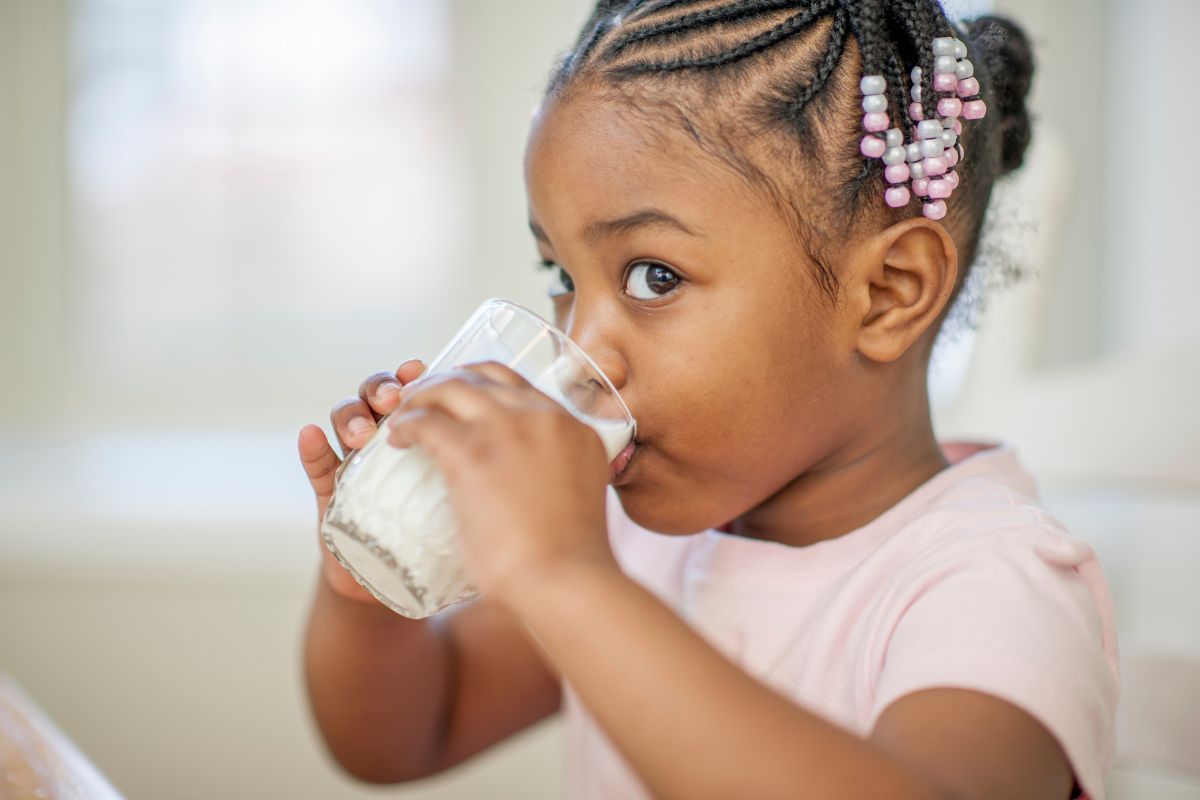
(620, 464)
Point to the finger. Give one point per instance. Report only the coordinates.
(410, 370)
(381, 393)
(497, 372)
(320, 463)
(353, 423)
(440, 435)
(465, 397)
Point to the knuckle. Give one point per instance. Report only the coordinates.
(345, 409)
(371, 383)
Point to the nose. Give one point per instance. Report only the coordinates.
(595, 334)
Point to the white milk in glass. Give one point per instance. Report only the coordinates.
(394, 530)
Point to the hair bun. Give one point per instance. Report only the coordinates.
(1008, 57)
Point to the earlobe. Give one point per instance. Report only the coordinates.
(906, 276)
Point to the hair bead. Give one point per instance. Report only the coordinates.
(945, 82)
(950, 107)
(968, 88)
(932, 147)
(974, 109)
(872, 146)
(872, 84)
(935, 210)
(927, 161)
(897, 196)
(874, 103)
(897, 173)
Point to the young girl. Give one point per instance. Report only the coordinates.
(757, 216)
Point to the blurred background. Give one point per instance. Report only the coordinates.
(218, 216)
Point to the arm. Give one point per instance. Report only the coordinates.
(398, 699)
(692, 724)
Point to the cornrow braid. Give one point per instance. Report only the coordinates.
(705, 62)
(837, 41)
(789, 27)
(689, 22)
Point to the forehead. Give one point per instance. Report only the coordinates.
(588, 158)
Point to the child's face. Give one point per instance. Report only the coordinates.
(739, 373)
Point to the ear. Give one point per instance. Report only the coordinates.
(904, 276)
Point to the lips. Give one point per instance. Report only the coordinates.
(622, 461)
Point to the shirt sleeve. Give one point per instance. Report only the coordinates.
(1021, 614)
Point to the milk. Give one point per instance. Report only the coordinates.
(390, 525)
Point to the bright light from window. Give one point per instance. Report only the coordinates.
(260, 178)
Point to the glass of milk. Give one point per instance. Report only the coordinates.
(389, 522)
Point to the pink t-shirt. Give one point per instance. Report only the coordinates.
(966, 582)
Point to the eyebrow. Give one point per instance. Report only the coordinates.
(599, 229)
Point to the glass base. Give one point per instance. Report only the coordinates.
(376, 570)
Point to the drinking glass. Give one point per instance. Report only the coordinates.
(389, 523)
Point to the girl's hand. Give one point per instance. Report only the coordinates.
(354, 420)
(526, 479)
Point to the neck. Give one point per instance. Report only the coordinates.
(851, 486)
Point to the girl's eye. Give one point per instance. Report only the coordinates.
(655, 279)
(561, 284)
(646, 280)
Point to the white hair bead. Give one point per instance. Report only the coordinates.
(929, 129)
(943, 46)
(944, 64)
(915, 92)
(895, 155)
(894, 137)
(960, 49)
(872, 84)
(916, 74)
(913, 152)
(932, 148)
(916, 170)
(874, 103)
(964, 70)
(949, 138)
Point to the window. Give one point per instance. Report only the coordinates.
(258, 183)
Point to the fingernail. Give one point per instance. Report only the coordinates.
(358, 426)
(387, 390)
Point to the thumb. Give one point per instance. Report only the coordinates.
(320, 464)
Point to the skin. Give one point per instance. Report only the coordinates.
(756, 403)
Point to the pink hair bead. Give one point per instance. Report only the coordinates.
(952, 179)
(951, 156)
(968, 88)
(935, 210)
(897, 196)
(950, 107)
(974, 109)
(876, 122)
(940, 189)
(915, 112)
(873, 146)
(936, 165)
(945, 82)
(897, 173)
(957, 127)
(921, 187)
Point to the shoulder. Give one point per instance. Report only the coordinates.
(984, 506)
(991, 592)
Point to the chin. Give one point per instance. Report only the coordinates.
(645, 506)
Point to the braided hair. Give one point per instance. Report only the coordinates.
(770, 88)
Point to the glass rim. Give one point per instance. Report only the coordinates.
(571, 344)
